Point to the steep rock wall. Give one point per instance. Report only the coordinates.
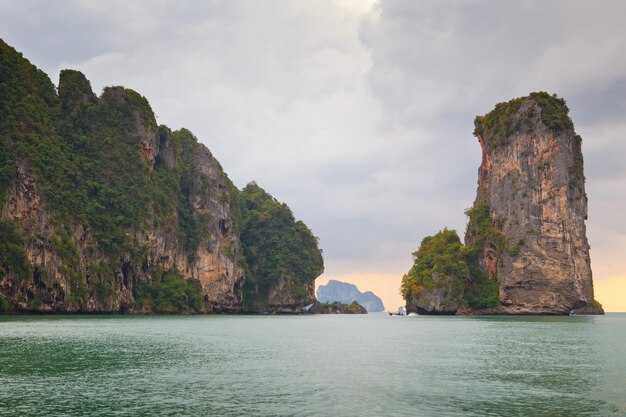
(103, 202)
(531, 182)
(525, 249)
(102, 210)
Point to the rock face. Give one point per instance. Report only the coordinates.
(345, 293)
(531, 180)
(101, 210)
(526, 250)
(337, 308)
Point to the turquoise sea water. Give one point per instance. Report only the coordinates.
(373, 365)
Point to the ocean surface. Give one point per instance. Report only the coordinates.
(373, 365)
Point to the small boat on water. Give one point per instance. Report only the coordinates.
(400, 312)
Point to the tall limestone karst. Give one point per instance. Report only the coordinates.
(526, 250)
(102, 210)
(532, 186)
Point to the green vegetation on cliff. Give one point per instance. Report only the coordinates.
(437, 257)
(173, 189)
(481, 231)
(87, 159)
(115, 190)
(512, 116)
(13, 257)
(443, 255)
(168, 293)
(277, 248)
(594, 304)
(99, 177)
(4, 304)
(111, 188)
(481, 292)
(29, 110)
(74, 90)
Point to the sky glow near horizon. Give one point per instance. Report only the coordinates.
(358, 114)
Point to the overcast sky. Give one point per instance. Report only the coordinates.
(357, 113)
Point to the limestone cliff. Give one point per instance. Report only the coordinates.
(102, 210)
(526, 250)
(531, 181)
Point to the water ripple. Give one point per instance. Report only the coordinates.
(371, 365)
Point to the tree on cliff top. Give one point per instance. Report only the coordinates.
(521, 114)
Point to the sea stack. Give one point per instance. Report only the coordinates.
(531, 185)
(525, 249)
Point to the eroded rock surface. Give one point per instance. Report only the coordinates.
(531, 181)
(525, 249)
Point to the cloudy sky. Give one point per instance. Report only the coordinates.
(358, 113)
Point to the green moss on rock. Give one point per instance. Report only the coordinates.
(447, 272)
(13, 257)
(519, 115)
(279, 251)
(5, 305)
(169, 292)
(438, 262)
(74, 90)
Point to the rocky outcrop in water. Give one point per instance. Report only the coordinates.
(526, 250)
(102, 210)
(337, 308)
(439, 299)
(345, 293)
(532, 182)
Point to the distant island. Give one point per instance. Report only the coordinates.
(346, 293)
(525, 249)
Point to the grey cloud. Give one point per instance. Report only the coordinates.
(47, 32)
(604, 104)
(435, 57)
